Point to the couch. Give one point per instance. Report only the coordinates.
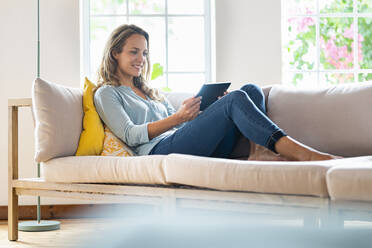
(333, 119)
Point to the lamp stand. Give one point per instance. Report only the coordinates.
(38, 225)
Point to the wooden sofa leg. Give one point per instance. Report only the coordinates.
(12, 171)
(12, 215)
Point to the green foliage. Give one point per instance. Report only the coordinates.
(365, 30)
(306, 39)
(364, 6)
(365, 77)
(166, 89)
(338, 6)
(296, 77)
(157, 71)
(337, 41)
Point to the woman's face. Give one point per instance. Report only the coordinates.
(132, 58)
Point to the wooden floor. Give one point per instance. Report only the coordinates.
(71, 234)
(76, 233)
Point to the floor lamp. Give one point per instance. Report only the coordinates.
(38, 225)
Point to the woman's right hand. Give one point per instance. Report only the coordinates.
(189, 109)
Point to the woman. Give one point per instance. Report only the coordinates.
(146, 121)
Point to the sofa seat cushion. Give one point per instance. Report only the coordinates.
(351, 179)
(105, 169)
(287, 177)
(278, 177)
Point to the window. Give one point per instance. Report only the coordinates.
(180, 37)
(326, 42)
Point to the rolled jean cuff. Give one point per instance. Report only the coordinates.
(274, 138)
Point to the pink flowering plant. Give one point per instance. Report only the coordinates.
(337, 47)
(336, 42)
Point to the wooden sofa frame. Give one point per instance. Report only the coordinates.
(165, 199)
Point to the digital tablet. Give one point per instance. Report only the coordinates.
(211, 92)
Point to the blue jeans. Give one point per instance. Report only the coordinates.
(214, 132)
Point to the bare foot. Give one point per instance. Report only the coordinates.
(294, 150)
(260, 153)
(316, 156)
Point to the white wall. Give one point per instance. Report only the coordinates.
(248, 41)
(247, 44)
(18, 50)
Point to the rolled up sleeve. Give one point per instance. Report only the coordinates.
(110, 108)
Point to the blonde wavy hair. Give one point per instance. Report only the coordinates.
(107, 72)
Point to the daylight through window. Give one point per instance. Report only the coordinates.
(326, 41)
(180, 49)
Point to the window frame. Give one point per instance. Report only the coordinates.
(209, 40)
(356, 70)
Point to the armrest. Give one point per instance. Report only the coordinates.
(13, 105)
(19, 102)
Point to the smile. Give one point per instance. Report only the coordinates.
(138, 67)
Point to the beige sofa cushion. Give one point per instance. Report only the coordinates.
(303, 178)
(336, 120)
(105, 169)
(58, 114)
(348, 178)
(351, 179)
(223, 174)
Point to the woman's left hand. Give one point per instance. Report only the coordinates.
(224, 94)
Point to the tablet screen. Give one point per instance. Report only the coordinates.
(211, 92)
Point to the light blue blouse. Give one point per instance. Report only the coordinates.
(127, 115)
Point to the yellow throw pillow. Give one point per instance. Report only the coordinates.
(113, 146)
(91, 138)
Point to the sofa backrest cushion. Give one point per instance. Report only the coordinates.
(58, 114)
(335, 119)
(176, 98)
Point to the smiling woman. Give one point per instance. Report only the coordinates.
(132, 58)
(126, 61)
(148, 123)
(172, 25)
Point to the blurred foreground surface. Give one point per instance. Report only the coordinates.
(215, 229)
